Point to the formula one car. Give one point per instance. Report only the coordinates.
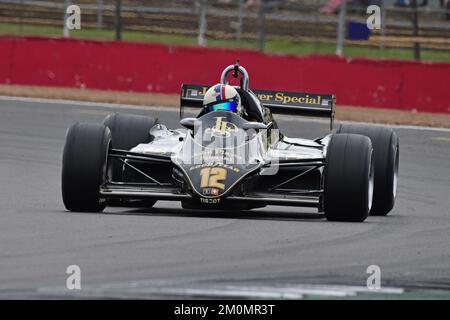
(222, 161)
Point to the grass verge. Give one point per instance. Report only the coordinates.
(271, 46)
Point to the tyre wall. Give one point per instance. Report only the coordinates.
(145, 67)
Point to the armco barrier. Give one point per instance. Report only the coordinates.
(143, 67)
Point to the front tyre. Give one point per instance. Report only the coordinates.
(348, 178)
(127, 130)
(84, 166)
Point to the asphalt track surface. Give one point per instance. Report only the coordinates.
(167, 251)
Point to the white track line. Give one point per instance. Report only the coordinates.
(297, 291)
(172, 109)
(76, 103)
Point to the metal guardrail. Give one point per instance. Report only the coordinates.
(195, 10)
(289, 20)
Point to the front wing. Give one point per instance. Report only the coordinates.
(155, 190)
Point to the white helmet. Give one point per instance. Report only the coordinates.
(222, 97)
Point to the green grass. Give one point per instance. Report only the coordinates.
(271, 46)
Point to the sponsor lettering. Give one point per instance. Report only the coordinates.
(210, 200)
(215, 164)
(285, 99)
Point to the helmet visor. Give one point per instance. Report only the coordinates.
(227, 105)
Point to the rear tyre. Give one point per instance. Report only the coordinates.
(128, 130)
(348, 178)
(84, 166)
(386, 159)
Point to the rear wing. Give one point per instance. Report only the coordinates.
(279, 102)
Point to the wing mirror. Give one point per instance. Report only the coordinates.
(188, 123)
(256, 125)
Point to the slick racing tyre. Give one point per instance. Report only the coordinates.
(386, 158)
(128, 130)
(348, 178)
(84, 166)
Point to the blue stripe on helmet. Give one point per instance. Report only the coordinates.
(217, 89)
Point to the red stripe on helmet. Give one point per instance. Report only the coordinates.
(223, 93)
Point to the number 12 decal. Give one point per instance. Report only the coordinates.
(212, 176)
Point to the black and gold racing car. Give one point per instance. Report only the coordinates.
(223, 161)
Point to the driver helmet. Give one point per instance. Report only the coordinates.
(222, 97)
